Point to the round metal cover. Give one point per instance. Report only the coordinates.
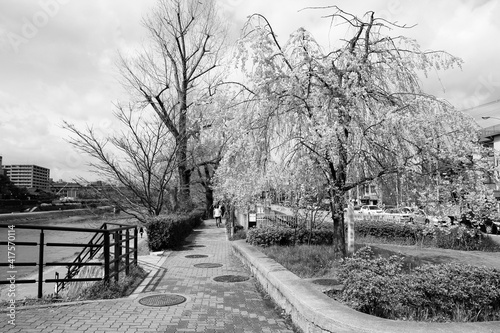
(207, 265)
(231, 278)
(326, 282)
(196, 245)
(162, 300)
(196, 256)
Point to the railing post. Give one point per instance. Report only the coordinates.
(106, 255)
(56, 285)
(127, 252)
(116, 260)
(40, 264)
(136, 245)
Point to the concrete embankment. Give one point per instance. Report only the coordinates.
(36, 216)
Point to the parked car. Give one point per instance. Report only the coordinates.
(420, 216)
(396, 214)
(357, 209)
(371, 209)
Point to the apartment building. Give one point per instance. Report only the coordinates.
(28, 176)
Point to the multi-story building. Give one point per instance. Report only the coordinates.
(65, 189)
(28, 176)
(2, 171)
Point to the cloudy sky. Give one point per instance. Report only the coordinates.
(57, 61)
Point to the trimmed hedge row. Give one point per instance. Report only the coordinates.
(444, 292)
(284, 236)
(389, 230)
(454, 237)
(169, 231)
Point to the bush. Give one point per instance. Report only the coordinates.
(169, 231)
(390, 230)
(444, 292)
(284, 236)
(462, 238)
(455, 237)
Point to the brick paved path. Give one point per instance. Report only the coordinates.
(210, 306)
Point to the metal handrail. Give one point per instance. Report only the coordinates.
(100, 240)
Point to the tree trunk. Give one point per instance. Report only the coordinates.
(209, 201)
(336, 206)
(184, 194)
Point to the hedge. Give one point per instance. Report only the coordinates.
(169, 231)
(454, 237)
(282, 235)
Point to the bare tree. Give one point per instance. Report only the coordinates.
(174, 72)
(138, 162)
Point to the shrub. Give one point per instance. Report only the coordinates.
(169, 231)
(462, 238)
(455, 237)
(284, 236)
(443, 292)
(390, 230)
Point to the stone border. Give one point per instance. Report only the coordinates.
(313, 311)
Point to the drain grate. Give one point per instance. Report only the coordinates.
(326, 282)
(207, 265)
(196, 245)
(162, 300)
(196, 256)
(231, 278)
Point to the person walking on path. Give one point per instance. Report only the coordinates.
(218, 216)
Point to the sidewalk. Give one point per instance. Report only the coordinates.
(207, 305)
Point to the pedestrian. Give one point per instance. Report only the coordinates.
(141, 231)
(218, 216)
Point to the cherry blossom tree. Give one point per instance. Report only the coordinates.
(353, 113)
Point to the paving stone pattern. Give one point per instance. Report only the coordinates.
(210, 306)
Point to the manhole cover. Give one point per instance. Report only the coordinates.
(196, 256)
(326, 282)
(231, 278)
(207, 265)
(196, 245)
(162, 300)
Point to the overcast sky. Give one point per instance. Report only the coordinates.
(57, 61)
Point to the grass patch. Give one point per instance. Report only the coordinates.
(115, 289)
(239, 234)
(306, 261)
(100, 290)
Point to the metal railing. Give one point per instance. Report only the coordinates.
(110, 238)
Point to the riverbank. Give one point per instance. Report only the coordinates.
(17, 218)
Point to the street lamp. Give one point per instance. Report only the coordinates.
(487, 117)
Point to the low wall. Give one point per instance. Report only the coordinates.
(313, 311)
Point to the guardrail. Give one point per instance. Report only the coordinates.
(111, 238)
